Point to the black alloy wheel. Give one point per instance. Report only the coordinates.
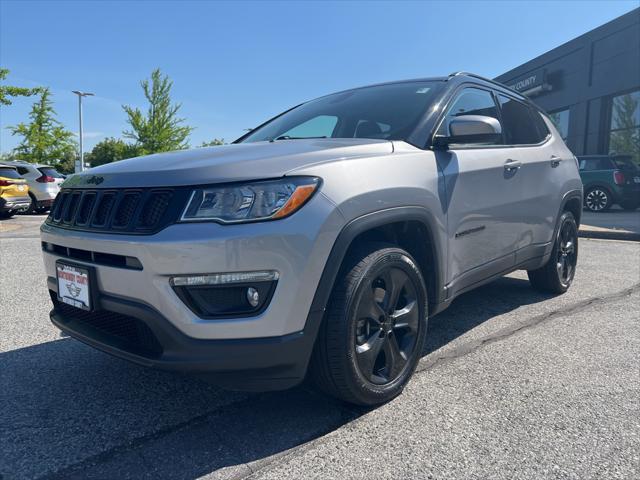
(387, 326)
(557, 274)
(567, 252)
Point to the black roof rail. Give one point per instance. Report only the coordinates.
(479, 77)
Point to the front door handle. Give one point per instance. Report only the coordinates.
(512, 165)
(555, 161)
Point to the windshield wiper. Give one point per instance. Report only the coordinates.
(287, 137)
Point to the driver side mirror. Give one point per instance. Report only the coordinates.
(474, 129)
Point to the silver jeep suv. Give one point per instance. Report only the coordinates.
(320, 241)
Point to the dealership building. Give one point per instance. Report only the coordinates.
(590, 86)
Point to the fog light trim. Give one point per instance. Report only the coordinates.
(224, 278)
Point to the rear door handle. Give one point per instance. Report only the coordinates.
(555, 161)
(512, 165)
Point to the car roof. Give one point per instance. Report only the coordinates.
(27, 164)
(6, 165)
(454, 78)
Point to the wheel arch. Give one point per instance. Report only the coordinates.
(388, 225)
(573, 203)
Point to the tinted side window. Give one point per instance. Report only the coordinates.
(22, 170)
(471, 101)
(599, 163)
(543, 130)
(518, 122)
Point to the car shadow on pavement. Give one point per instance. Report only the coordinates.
(476, 307)
(72, 412)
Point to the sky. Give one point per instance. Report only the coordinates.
(236, 64)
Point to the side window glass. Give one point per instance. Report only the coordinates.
(471, 101)
(543, 130)
(22, 170)
(518, 122)
(598, 163)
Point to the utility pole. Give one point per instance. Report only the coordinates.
(80, 95)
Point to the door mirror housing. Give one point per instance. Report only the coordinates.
(474, 129)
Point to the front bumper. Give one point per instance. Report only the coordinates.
(296, 247)
(14, 204)
(139, 333)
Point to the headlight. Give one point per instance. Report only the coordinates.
(250, 201)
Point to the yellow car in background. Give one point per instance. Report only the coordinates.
(14, 192)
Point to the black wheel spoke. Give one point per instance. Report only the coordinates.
(368, 354)
(560, 266)
(395, 359)
(394, 280)
(407, 317)
(569, 247)
(369, 308)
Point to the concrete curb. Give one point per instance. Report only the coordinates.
(610, 235)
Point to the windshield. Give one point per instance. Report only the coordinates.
(388, 112)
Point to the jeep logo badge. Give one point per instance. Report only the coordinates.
(94, 180)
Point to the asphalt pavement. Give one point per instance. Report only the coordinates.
(513, 384)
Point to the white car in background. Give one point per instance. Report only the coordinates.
(44, 184)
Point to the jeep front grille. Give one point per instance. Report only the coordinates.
(138, 211)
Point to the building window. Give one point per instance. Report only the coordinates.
(561, 121)
(624, 131)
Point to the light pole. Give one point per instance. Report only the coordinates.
(80, 95)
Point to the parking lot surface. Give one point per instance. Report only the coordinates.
(513, 384)
(615, 223)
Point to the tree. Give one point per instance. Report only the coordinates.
(111, 150)
(67, 163)
(161, 130)
(213, 143)
(44, 139)
(7, 91)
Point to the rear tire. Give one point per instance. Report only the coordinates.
(372, 336)
(557, 274)
(33, 207)
(597, 199)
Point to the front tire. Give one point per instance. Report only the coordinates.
(557, 274)
(372, 337)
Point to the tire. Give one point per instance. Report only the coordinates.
(557, 274)
(33, 207)
(365, 360)
(597, 199)
(6, 215)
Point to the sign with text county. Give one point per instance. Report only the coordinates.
(73, 285)
(531, 83)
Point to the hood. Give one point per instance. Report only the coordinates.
(226, 163)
